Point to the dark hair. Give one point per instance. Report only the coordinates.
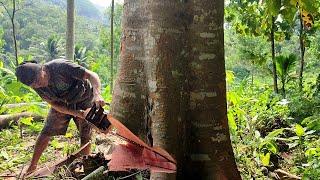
(27, 72)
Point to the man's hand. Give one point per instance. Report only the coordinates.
(80, 113)
(98, 100)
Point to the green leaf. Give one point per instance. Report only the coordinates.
(272, 147)
(274, 133)
(139, 177)
(68, 135)
(229, 76)
(273, 7)
(26, 121)
(56, 144)
(232, 122)
(311, 151)
(20, 59)
(265, 159)
(299, 130)
(4, 154)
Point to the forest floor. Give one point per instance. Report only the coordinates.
(17, 147)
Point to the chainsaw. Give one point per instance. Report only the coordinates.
(135, 154)
(98, 117)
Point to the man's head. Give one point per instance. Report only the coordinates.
(32, 74)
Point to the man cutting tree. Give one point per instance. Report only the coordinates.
(70, 89)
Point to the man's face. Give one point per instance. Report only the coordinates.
(41, 80)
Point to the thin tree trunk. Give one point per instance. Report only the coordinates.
(14, 32)
(70, 30)
(274, 68)
(283, 88)
(12, 16)
(302, 51)
(111, 51)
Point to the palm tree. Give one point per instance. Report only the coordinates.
(53, 47)
(284, 65)
(80, 55)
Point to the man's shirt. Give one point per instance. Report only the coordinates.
(66, 84)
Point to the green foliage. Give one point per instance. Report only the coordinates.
(33, 32)
(245, 16)
(263, 127)
(83, 8)
(105, 33)
(273, 7)
(2, 42)
(41, 39)
(54, 47)
(80, 55)
(299, 130)
(284, 64)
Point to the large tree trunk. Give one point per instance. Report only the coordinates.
(302, 51)
(111, 51)
(171, 84)
(70, 30)
(274, 68)
(210, 151)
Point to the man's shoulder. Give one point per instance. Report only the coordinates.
(58, 61)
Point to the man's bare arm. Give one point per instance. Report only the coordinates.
(65, 110)
(96, 84)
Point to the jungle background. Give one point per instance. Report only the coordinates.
(271, 50)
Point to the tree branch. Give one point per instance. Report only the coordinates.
(7, 10)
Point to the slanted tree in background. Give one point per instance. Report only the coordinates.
(70, 30)
(171, 85)
(11, 12)
(12, 7)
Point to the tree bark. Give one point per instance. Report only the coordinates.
(274, 68)
(111, 51)
(70, 30)
(302, 51)
(209, 150)
(171, 85)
